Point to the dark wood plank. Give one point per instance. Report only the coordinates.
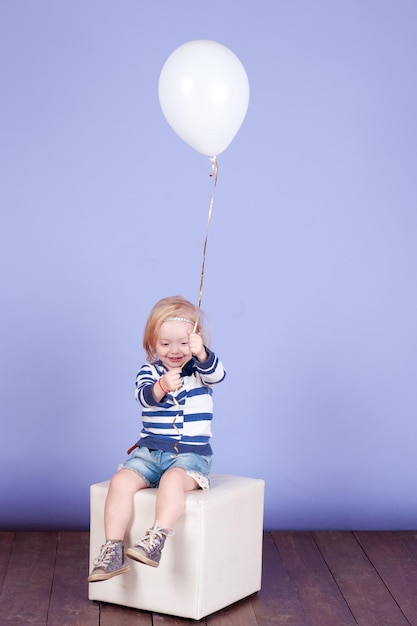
(6, 545)
(24, 597)
(365, 593)
(408, 539)
(112, 615)
(69, 603)
(395, 566)
(321, 598)
(278, 597)
(237, 614)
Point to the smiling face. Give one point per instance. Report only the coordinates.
(172, 344)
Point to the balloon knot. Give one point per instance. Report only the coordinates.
(214, 166)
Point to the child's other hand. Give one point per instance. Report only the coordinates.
(196, 345)
(172, 379)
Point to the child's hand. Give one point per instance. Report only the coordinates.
(196, 345)
(172, 379)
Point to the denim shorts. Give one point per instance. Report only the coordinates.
(152, 464)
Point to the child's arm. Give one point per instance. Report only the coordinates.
(208, 364)
(170, 381)
(149, 391)
(197, 348)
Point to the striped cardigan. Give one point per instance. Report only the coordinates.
(181, 421)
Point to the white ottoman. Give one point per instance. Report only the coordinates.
(213, 560)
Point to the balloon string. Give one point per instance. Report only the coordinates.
(175, 419)
(214, 174)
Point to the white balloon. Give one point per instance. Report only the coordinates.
(204, 95)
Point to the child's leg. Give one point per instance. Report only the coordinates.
(119, 503)
(170, 499)
(170, 502)
(117, 513)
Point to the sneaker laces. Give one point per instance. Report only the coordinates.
(106, 553)
(153, 537)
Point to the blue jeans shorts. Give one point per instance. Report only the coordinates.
(152, 464)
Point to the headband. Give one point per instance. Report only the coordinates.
(179, 319)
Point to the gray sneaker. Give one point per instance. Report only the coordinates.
(148, 549)
(110, 562)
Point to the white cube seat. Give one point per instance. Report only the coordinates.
(213, 560)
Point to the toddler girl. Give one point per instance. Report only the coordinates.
(173, 452)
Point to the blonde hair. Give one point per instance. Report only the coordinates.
(173, 306)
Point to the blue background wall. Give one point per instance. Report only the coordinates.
(310, 284)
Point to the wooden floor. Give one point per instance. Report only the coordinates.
(309, 579)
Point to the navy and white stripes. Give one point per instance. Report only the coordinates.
(188, 427)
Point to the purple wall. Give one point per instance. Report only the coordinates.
(310, 281)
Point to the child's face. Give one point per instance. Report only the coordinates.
(172, 344)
